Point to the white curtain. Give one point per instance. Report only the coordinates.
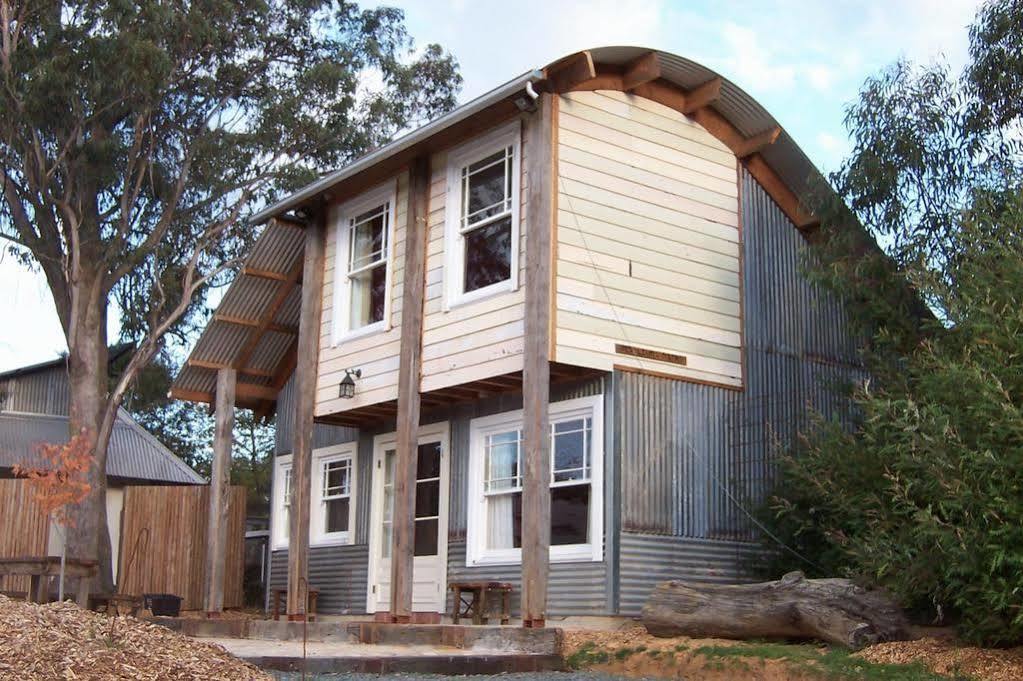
(500, 522)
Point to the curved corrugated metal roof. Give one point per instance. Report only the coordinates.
(735, 104)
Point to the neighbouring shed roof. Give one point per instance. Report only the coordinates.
(255, 327)
(133, 454)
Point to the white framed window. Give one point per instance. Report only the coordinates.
(362, 277)
(281, 524)
(332, 516)
(481, 239)
(494, 532)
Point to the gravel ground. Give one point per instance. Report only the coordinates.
(541, 676)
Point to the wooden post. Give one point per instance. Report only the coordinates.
(308, 352)
(220, 494)
(409, 370)
(536, 495)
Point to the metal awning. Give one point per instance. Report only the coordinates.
(255, 328)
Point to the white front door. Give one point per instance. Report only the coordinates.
(429, 569)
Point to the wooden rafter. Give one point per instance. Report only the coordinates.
(702, 95)
(241, 321)
(641, 70)
(756, 143)
(245, 392)
(780, 192)
(571, 71)
(216, 366)
(268, 314)
(264, 274)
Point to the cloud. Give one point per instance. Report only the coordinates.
(749, 61)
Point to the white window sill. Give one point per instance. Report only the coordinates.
(578, 553)
(339, 539)
(368, 330)
(462, 299)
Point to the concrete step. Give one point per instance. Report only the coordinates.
(448, 665)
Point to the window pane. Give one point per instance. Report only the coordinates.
(504, 521)
(488, 255)
(369, 290)
(428, 461)
(425, 543)
(287, 487)
(428, 498)
(570, 514)
(502, 461)
(337, 477)
(571, 450)
(487, 186)
(385, 548)
(368, 238)
(337, 515)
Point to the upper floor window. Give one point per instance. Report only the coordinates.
(365, 231)
(482, 227)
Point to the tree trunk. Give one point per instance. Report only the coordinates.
(90, 414)
(832, 610)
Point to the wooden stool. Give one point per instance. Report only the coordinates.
(310, 610)
(476, 603)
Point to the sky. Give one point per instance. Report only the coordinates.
(803, 60)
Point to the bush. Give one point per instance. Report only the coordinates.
(924, 494)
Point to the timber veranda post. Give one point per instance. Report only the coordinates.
(306, 367)
(220, 493)
(536, 497)
(409, 374)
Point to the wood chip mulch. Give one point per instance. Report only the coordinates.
(62, 641)
(949, 658)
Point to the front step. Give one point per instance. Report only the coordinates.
(450, 665)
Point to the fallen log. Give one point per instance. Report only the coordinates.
(833, 610)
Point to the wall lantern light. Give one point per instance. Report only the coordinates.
(346, 390)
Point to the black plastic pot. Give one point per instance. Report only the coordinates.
(165, 605)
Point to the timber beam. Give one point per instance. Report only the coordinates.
(219, 498)
(570, 72)
(409, 399)
(308, 350)
(702, 96)
(256, 323)
(216, 366)
(640, 71)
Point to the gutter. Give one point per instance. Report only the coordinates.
(433, 127)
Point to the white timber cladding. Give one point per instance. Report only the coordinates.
(375, 352)
(648, 240)
(477, 337)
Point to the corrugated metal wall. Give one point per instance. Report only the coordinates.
(323, 435)
(696, 460)
(40, 392)
(339, 572)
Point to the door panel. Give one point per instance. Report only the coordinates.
(429, 569)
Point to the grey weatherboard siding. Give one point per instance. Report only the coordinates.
(685, 463)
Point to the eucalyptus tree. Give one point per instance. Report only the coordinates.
(135, 138)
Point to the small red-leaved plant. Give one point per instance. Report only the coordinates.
(64, 482)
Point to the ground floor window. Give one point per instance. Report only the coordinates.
(332, 497)
(495, 494)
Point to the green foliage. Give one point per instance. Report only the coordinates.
(923, 494)
(832, 664)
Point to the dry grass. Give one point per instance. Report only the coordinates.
(61, 641)
(631, 651)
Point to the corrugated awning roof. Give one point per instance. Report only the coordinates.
(133, 454)
(255, 327)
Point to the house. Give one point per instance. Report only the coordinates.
(552, 338)
(34, 411)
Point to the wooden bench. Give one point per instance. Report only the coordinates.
(470, 599)
(282, 594)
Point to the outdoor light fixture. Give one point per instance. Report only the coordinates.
(346, 390)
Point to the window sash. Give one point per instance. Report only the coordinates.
(466, 222)
(378, 256)
(287, 487)
(346, 488)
